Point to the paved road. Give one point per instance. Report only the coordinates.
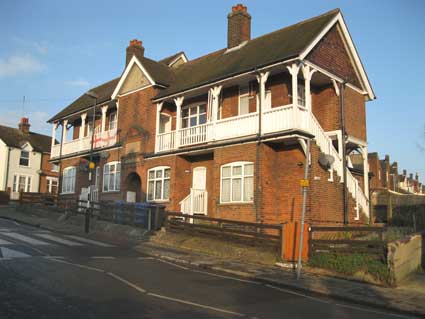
(50, 275)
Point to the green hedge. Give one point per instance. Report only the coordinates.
(349, 264)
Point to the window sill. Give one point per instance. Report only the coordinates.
(112, 192)
(235, 203)
(68, 193)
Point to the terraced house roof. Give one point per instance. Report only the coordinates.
(14, 137)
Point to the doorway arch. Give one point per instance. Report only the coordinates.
(133, 184)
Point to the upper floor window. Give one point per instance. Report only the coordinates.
(68, 180)
(159, 183)
(113, 118)
(194, 115)
(111, 177)
(237, 182)
(244, 98)
(164, 123)
(24, 160)
(301, 94)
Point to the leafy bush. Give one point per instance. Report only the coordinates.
(349, 264)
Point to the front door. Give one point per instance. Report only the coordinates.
(198, 192)
(199, 178)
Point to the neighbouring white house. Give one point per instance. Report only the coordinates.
(24, 161)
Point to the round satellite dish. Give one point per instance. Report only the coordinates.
(326, 160)
(104, 155)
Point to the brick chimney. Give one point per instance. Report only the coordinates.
(411, 176)
(404, 172)
(134, 48)
(417, 176)
(238, 26)
(24, 125)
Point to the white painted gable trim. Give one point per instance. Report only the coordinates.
(349, 41)
(180, 56)
(127, 70)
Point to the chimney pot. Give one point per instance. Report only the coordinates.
(404, 172)
(24, 125)
(134, 48)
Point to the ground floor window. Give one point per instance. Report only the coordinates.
(111, 177)
(21, 183)
(237, 182)
(52, 185)
(159, 183)
(68, 180)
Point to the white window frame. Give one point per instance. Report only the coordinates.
(50, 181)
(196, 115)
(156, 179)
(72, 179)
(115, 174)
(242, 95)
(113, 121)
(20, 157)
(232, 177)
(163, 115)
(27, 183)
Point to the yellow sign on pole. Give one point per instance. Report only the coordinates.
(304, 183)
(91, 165)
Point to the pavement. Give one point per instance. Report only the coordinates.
(144, 261)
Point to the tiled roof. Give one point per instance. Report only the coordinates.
(265, 50)
(104, 91)
(13, 137)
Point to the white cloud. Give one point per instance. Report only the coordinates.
(37, 120)
(78, 82)
(18, 64)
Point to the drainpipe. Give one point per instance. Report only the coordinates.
(60, 164)
(257, 160)
(344, 153)
(7, 168)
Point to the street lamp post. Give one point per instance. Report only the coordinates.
(91, 164)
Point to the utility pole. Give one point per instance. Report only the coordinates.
(91, 164)
(305, 185)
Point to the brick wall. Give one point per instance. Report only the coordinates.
(331, 54)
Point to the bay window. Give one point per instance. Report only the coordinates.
(237, 182)
(159, 183)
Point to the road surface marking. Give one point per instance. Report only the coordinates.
(374, 311)
(77, 265)
(5, 259)
(10, 253)
(103, 257)
(226, 277)
(298, 294)
(172, 264)
(59, 240)
(145, 258)
(126, 282)
(197, 305)
(26, 239)
(5, 242)
(90, 241)
(4, 229)
(53, 257)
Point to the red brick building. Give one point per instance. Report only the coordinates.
(226, 134)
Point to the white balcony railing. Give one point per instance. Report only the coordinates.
(100, 140)
(274, 120)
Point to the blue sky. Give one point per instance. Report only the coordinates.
(52, 51)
